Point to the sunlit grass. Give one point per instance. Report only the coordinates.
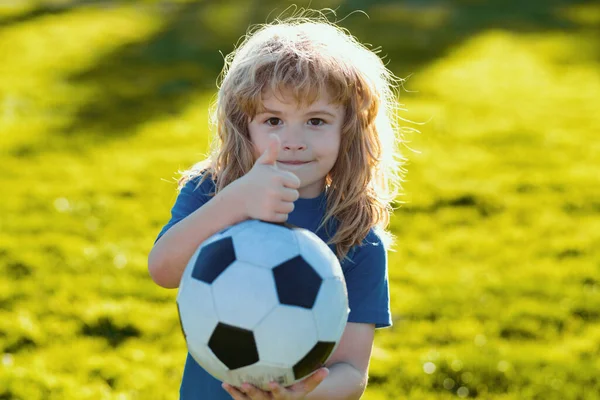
(495, 279)
(41, 55)
(585, 14)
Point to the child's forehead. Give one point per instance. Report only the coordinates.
(286, 97)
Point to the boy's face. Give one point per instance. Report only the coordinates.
(310, 137)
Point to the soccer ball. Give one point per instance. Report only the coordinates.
(261, 302)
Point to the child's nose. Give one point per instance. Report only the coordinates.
(293, 146)
(292, 140)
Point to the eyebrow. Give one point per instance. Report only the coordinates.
(315, 112)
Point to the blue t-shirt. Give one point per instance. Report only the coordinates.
(365, 273)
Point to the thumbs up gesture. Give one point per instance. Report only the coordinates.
(268, 192)
(269, 157)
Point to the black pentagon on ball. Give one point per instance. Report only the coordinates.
(297, 283)
(213, 259)
(234, 346)
(314, 359)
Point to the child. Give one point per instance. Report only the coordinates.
(305, 135)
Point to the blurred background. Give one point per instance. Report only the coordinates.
(495, 277)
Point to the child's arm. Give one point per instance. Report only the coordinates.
(171, 253)
(348, 365)
(344, 382)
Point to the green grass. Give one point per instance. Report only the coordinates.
(495, 279)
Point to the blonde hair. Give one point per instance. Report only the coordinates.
(306, 54)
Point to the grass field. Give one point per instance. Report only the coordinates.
(495, 279)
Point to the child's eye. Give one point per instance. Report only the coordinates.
(273, 121)
(316, 122)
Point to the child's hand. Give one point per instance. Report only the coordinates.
(268, 192)
(297, 391)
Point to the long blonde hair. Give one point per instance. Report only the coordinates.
(306, 55)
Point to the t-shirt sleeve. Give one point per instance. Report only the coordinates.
(190, 198)
(367, 283)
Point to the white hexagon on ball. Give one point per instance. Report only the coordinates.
(233, 230)
(265, 245)
(331, 310)
(197, 310)
(244, 294)
(205, 357)
(285, 335)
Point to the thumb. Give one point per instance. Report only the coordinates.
(269, 157)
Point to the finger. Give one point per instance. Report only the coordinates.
(269, 157)
(280, 217)
(290, 180)
(234, 393)
(290, 194)
(277, 390)
(284, 207)
(254, 392)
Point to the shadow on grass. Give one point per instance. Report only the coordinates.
(184, 58)
(157, 77)
(113, 333)
(148, 80)
(415, 33)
